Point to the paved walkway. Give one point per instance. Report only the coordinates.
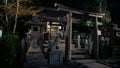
(90, 63)
(35, 58)
(81, 60)
(80, 57)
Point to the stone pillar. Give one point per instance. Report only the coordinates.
(78, 40)
(68, 38)
(95, 51)
(90, 44)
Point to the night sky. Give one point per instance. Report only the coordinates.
(78, 4)
(112, 5)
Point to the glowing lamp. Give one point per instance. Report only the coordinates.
(0, 33)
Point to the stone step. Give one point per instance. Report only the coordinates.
(78, 52)
(80, 49)
(116, 66)
(36, 63)
(116, 49)
(31, 59)
(117, 57)
(117, 60)
(77, 57)
(69, 65)
(117, 46)
(116, 54)
(90, 63)
(32, 49)
(35, 56)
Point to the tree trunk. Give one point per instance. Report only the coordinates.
(16, 16)
(6, 2)
(6, 17)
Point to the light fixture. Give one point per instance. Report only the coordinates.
(0, 33)
(59, 27)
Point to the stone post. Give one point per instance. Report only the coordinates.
(68, 38)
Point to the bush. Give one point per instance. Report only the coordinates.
(9, 50)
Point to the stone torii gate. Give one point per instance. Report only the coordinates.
(69, 21)
(69, 32)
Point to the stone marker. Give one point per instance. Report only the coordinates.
(55, 57)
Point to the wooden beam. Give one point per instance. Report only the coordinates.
(81, 12)
(68, 9)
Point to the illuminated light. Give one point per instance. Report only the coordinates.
(0, 33)
(75, 31)
(59, 27)
(48, 26)
(89, 25)
(98, 32)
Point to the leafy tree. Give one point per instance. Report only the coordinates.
(98, 6)
(8, 12)
(1, 1)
